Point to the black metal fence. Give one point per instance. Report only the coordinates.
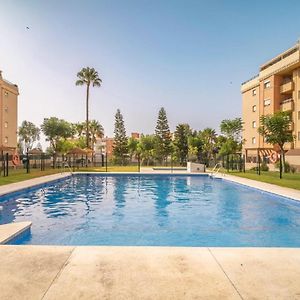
(28, 163)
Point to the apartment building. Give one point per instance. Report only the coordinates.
(276, 87)
(8, 117)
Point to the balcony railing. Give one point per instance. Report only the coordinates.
(287, 87)
(287, 105)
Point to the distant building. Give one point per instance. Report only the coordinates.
(104, 146)
(275, 88)
(8, 117)
(135, 135)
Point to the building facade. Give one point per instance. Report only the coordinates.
(9, 115)
(275, 88)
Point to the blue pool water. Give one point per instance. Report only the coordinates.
(164, 210)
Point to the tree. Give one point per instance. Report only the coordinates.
(195, 147)
(276, 131)
(80, 129)
(231, 141)
(88, 76)
(96, 131)
(120, 148)
(146, 148)
(209, 139)
(181, 144)
(133, 147)
(28, 134)
(163, 136)
(55, 131)
(232, 129)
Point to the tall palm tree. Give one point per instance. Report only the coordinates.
(88, 76)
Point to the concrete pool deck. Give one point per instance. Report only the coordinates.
(51, 272)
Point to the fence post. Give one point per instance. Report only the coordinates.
(258, 158)
(6, 164)
(105, 161)
(139, 163)
(27, 162)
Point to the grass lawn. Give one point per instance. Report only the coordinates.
(20, 175)
(289, 180)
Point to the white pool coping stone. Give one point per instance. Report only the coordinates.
(266, 187)
(17, 186)
(10, 231)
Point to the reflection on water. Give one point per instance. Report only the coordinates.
(153, 210)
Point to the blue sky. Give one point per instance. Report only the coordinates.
(188, 56)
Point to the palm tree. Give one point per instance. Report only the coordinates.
(209, 139)
(96, 130)
(88, 76)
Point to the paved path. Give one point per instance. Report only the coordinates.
(49, 272)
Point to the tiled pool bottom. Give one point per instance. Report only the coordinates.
(153, 210)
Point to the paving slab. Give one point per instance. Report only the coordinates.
(262, 273)
(12, 230)
(27, 272)
(141, 273)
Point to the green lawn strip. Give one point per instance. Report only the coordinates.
(21, 175)
(289, 180)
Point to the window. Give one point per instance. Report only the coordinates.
(254, 108)
(299, 95)
(267, 84)
(6, 109)
(5, 124)
(254, 92)
(254, 124)
(6, 140)
(5, 93)
(253, 140)
(298, 135)
(299, 115)
(267, 102)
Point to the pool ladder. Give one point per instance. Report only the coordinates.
(216, 170)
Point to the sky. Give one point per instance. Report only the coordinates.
(188, 56)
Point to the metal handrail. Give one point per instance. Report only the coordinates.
(216, 170)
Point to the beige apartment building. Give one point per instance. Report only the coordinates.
(276, 87)
(8, 117)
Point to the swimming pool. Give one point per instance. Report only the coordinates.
(156, 210)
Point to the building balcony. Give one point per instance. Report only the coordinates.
(287, 105)
(287, 87)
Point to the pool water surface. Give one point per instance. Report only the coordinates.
(154, 210)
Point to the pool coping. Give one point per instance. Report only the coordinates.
(10, 231)
(274, 189)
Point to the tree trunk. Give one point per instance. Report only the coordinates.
(87, 114)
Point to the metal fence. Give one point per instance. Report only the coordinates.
(29, 163)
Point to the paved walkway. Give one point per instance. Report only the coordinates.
(49, 272)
